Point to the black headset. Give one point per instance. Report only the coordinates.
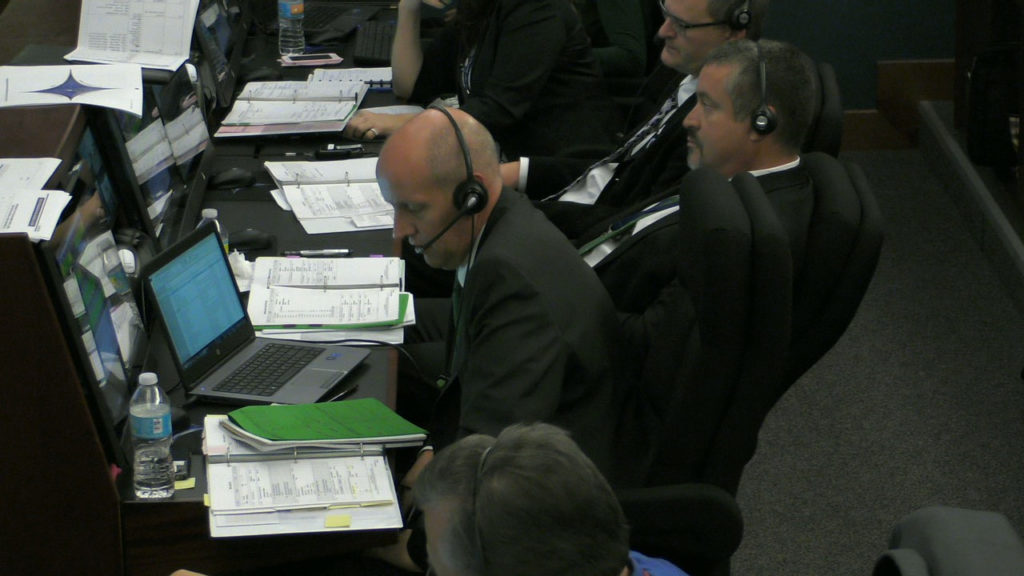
(763, 121)
(470, 195)
(740, 17)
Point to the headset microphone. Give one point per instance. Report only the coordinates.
(471, 203)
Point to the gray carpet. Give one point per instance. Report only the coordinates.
(921, 402)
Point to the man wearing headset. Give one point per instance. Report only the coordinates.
(576, 193)
(529, 333)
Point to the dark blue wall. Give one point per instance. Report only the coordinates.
(853, 35)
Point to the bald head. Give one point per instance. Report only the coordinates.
(420, 167)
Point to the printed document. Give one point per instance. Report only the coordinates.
(116, 86)
(34, 212)
(150, 34)
(27, 173)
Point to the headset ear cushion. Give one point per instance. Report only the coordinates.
(740, 18)
(470, 196)
(763, 121)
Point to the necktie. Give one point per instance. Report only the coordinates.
(454, 329)
(623, 226)
(636, 143)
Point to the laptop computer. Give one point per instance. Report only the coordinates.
(213, 343)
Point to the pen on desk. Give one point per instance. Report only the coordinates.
(318, 253)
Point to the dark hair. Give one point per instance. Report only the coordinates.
(529, 502)
(791, 85)
(723, 10)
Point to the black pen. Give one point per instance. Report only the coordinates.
(327, 252)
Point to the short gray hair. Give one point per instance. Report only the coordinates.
(528, 502)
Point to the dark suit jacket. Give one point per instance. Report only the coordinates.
(535, 83)
(536, 340)
(650, 173)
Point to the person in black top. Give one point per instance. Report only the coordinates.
(523, 68)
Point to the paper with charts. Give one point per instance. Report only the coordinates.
(117, 86)
(150, 34)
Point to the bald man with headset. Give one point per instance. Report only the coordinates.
(529, 333)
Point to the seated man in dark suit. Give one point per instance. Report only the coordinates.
(722, 136)
(576, 193)
(529, 333)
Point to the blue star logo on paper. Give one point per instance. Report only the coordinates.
(70, 88)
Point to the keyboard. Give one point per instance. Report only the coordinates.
(268, 370)
(373, 43)
(337, 19)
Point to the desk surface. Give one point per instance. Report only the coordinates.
(157, 537)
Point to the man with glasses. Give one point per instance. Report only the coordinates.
(577, 193)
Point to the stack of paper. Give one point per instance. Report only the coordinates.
(25, 206)
(150, 34)
(352, 300)
(264, 108)
(332, 196)
(301, 489)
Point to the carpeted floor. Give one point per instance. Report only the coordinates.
(921, 402)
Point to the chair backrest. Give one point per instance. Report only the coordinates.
(843, 245)
(760, 380)
(826, 133)
(734, 266)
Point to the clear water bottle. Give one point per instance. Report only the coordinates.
(290, 40)
(210, 215)
(150, 416)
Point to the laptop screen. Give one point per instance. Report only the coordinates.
(198, 300)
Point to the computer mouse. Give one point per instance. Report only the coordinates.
(261, 73)
(234, 177)
(250, 239)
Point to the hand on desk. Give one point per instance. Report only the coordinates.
(366, 125)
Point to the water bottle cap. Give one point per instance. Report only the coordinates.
(147, 379)
(209, 213)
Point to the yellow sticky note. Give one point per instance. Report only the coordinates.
(186, 484)
(206, 499)
(338, 521)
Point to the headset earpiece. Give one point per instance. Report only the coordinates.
(740, 17)
(470, 195)
(763, 120)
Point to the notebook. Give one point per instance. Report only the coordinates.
(212, 341)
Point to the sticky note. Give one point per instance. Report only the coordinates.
(186, 484)
(338, 521)
(206, 499)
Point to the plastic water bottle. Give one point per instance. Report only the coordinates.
(150, 416)
(210, 215)
(290, 40)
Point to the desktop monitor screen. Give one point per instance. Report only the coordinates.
(94, 294)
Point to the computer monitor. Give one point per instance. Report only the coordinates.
(94, 295)
(219, 35)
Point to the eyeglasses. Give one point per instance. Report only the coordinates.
(680, 25)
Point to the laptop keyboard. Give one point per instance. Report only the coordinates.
(373, 43)
(269, 370)
(340, 18)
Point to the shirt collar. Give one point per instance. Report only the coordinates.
(780, 168)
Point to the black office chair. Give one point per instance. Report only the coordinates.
(843, 246)
(716, 332)
(826, 133)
